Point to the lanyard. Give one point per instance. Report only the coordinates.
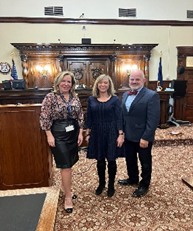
(68, 106)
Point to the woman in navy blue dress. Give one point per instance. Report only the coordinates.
(104, 132)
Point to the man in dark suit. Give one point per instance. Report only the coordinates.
(141, 114)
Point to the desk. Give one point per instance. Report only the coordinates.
(30, 96)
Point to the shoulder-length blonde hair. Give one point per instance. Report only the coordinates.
(59, 79)
(110, 91)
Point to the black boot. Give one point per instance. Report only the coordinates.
(101, 173)
(112, 169)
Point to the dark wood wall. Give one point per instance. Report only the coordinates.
(86, 61)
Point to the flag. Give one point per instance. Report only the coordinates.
(160, 76)
(14, 71)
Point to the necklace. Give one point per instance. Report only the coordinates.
(68, 104)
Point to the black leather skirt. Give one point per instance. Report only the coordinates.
(65, 151)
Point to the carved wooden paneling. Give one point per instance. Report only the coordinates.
(87, 61)
(79, 68)
(87, 70)
(46, 77)
(124, 65)
(96, 68)
(42, 77)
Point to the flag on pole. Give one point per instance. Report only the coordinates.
(160, 76)
(14, 71)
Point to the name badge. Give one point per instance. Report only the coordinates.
(70, 128)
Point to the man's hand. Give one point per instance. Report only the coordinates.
(143, 143)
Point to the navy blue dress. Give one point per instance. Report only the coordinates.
(105, 120)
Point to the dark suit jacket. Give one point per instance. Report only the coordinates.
(143, 117)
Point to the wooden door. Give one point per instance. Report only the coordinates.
(188, 104)
(185, 60)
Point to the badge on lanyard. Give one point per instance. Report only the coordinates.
(69, 128)
(68, 106)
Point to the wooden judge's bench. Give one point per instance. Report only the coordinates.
(32, 96)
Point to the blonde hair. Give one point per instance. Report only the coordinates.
(59, 79)
(110, 91)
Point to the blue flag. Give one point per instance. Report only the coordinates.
(160, 76)
(14, 71)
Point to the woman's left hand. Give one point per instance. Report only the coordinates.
(80, 139)
(120, 141)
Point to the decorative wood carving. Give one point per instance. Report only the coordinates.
(85, 48)
(78, 73)
(96, 72)
(86, 61)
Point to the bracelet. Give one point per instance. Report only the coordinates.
(121, 133)
(87, 135)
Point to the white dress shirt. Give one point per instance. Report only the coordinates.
(130, 99)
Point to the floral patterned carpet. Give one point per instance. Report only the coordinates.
(167, 206)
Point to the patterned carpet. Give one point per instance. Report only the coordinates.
(167, 206)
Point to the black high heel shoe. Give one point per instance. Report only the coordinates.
(68, 210)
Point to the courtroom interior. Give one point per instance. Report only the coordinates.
(39, 40)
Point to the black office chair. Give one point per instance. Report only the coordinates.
(179, 87)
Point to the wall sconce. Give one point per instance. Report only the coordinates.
(129, 68)
(43, 70)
